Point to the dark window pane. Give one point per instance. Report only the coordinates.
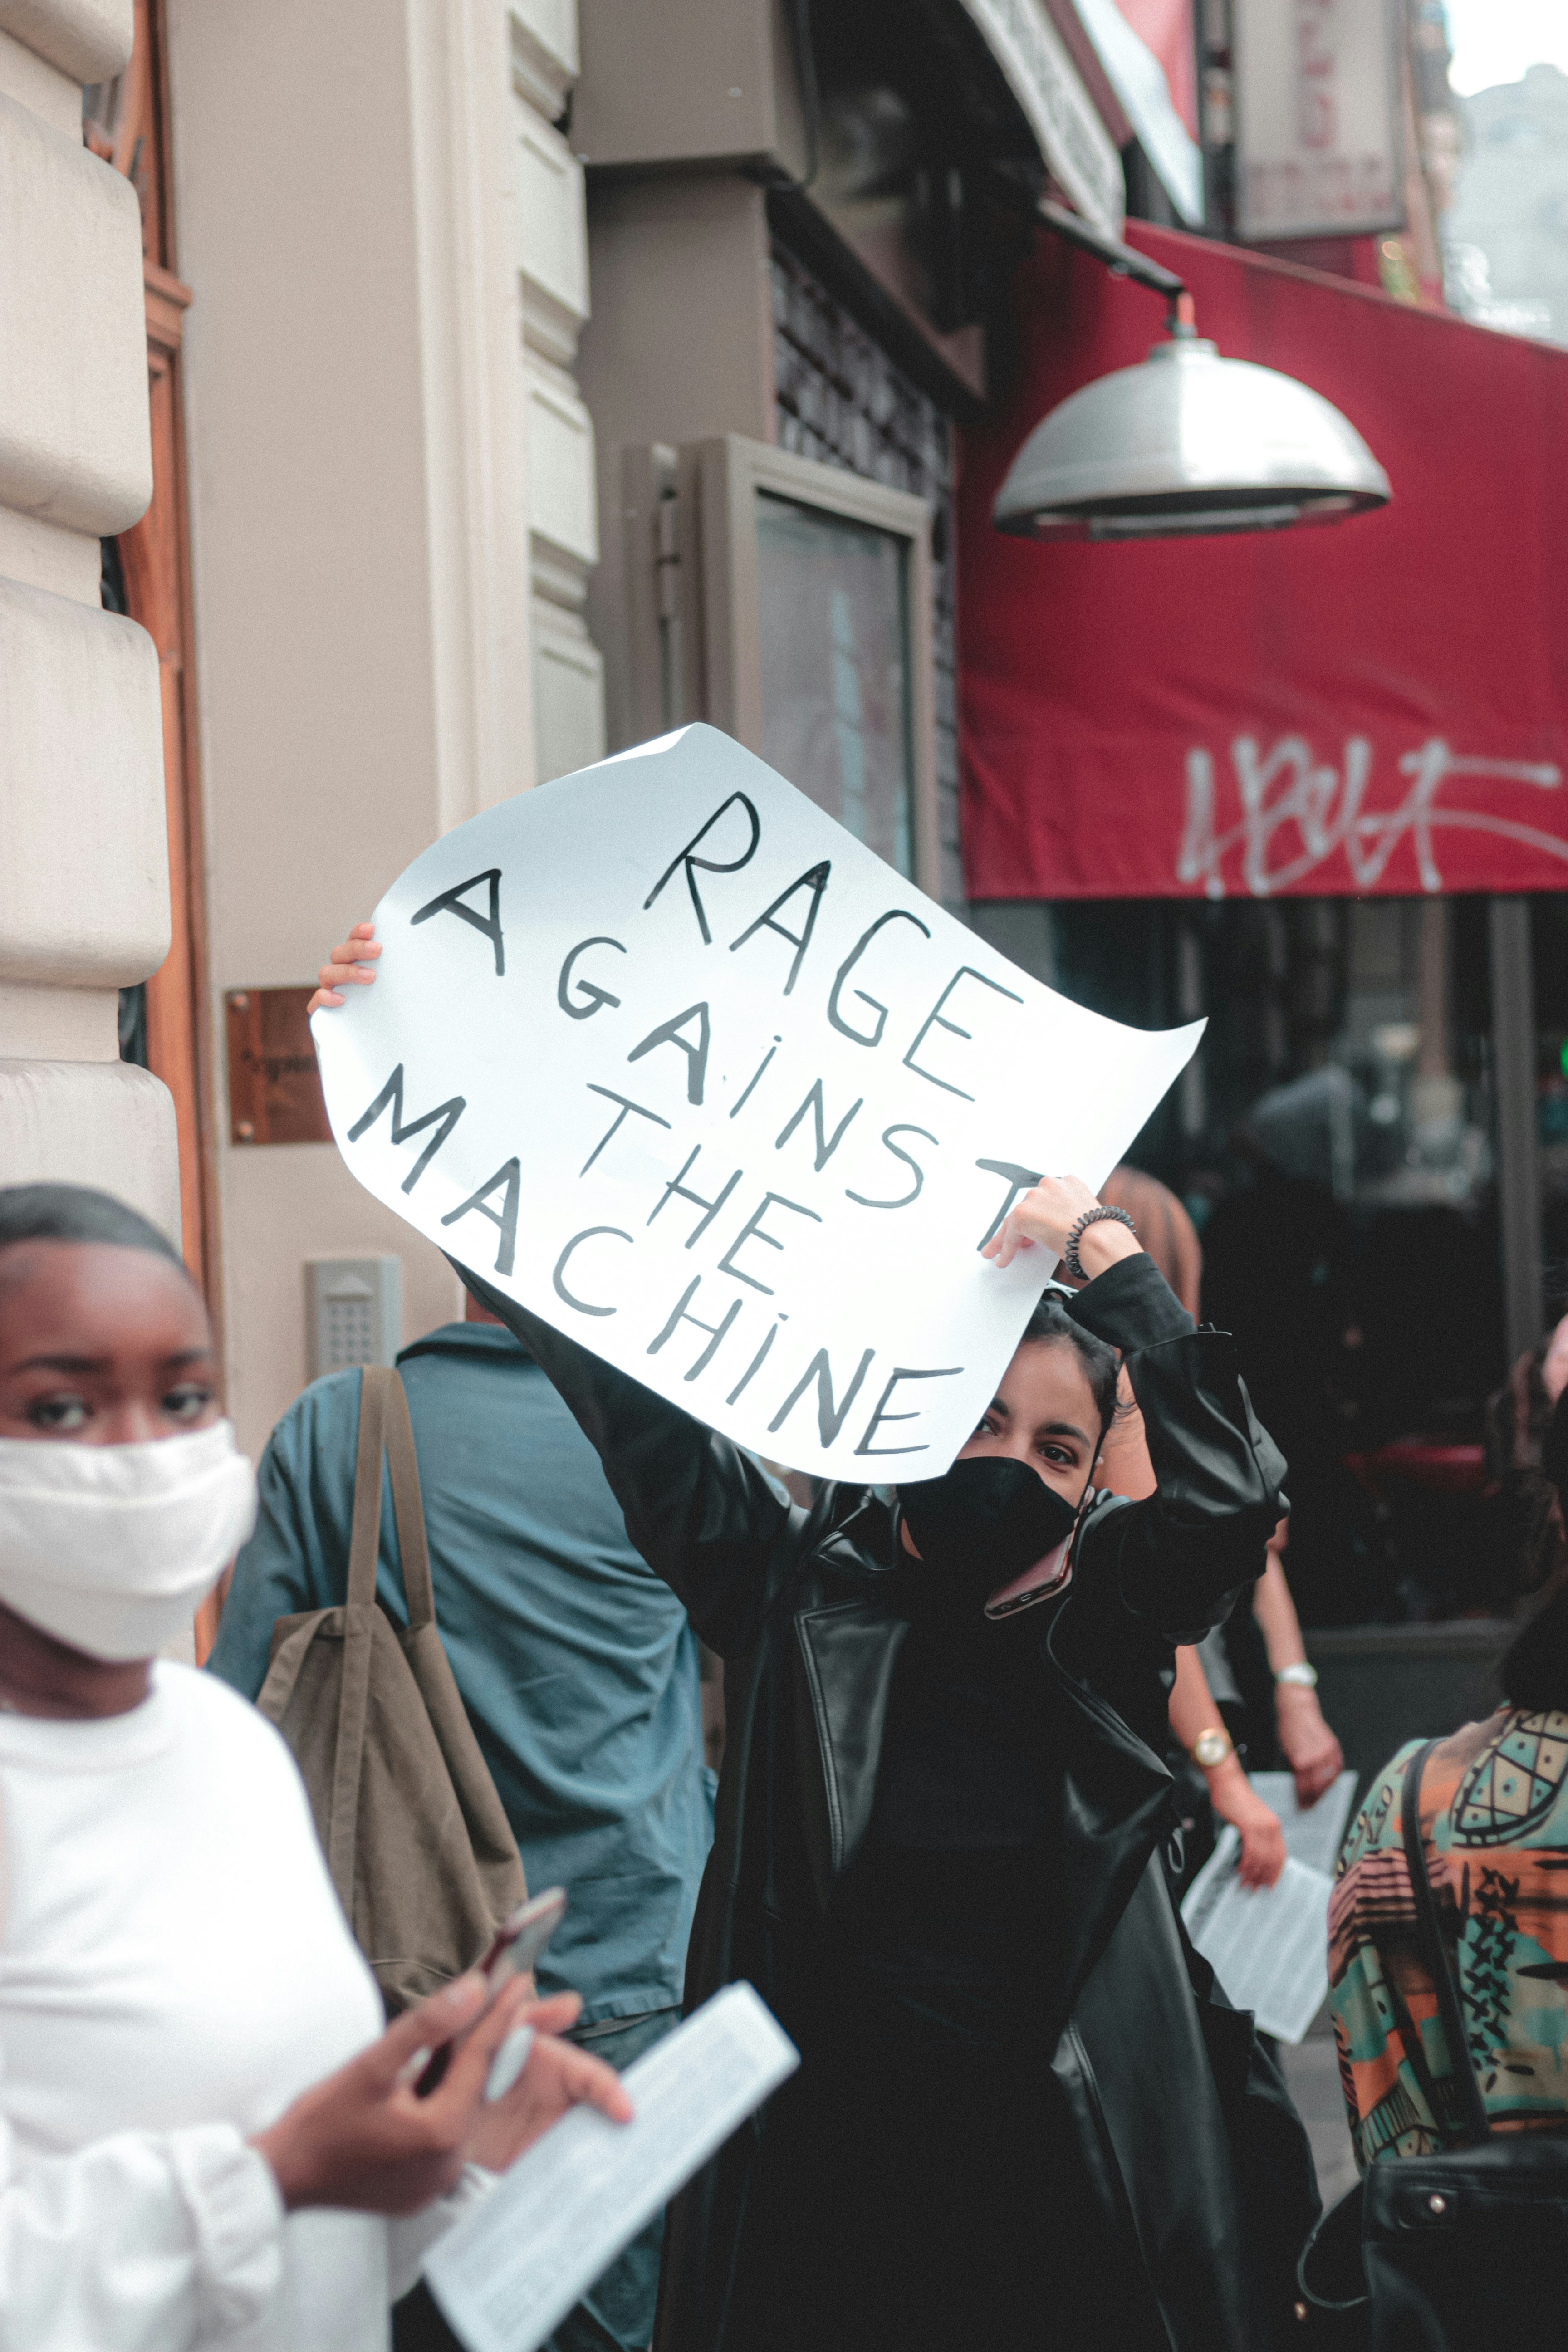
(833, 608)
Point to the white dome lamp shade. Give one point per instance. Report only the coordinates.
(1186, 443)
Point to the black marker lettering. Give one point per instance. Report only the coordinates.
(592, 996)
(510, 1175)
(668, 1034)
(715, 1330)
(896, 915)
(756, 1365)
(558, 1277)
(757, 1073)
(447, 904)
(696, 1198)
(1018, 1179)
(948, 1372)
(618, 1121)
(830, 1416)
(901, 1126)
(688, 858)
(752, 1229)
(936, 1019)
(448, 1113)
(816, 881)
(827, 1145)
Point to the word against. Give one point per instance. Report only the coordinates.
(672, 1059)
(1296, 812)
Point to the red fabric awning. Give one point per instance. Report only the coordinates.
(1379, 705)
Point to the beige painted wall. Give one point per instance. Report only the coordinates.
(345, 183)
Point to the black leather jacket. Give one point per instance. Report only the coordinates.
(1185, 2129)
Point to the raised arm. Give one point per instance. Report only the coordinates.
(701, 1513)
(1183, 1553)
(1179, 1556)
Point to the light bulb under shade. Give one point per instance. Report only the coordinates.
(1187, 443)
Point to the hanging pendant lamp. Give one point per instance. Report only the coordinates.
(1186, 443)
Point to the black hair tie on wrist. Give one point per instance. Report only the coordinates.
(1097, 1215)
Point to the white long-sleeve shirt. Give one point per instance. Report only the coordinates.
(174, 1970)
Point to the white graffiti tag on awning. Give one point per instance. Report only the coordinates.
(1290, 789)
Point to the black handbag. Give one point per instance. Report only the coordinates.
(1461, 2250)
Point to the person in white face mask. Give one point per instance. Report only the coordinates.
(205, 2137)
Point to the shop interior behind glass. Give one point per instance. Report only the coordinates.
(1335, 1142)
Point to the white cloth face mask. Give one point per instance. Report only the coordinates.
(110, 1547)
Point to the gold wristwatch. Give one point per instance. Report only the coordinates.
(1212, 1746)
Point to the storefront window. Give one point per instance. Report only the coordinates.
(833, 616)
(1389, 1106)
(1335, 1142)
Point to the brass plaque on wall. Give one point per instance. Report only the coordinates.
(274, 1086)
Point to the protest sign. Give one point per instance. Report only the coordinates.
(666, 1054)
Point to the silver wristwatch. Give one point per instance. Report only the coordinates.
(1300, 1677)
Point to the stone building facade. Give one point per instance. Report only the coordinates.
(84, 882)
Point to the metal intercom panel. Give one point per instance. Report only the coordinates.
(353, 1312)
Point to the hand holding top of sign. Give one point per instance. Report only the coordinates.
(1047, 1216)
(349, 965)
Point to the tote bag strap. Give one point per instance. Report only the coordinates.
(408, 1504)
(353, 1698)
(1472, 2105)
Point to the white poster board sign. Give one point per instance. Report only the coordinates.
(666, 1054)
(1318, 116)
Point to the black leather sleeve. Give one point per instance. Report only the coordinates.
(1182, 1554)
(698, 1508)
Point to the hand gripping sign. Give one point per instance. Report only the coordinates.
(666, 1054)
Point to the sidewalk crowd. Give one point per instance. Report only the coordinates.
(962, 1720)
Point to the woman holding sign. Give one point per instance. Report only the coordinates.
(1024, 2117)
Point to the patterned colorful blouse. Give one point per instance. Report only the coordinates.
(1494, 1813)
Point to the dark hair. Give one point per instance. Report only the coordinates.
(1101, 1366)
(74, 1213)
(1534, 1671)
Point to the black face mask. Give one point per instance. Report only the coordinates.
(983, 1523)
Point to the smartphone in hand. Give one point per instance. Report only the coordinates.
(518, 1947)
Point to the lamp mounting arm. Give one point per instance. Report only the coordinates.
(1125, 261)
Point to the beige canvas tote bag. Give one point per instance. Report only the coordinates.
(421, 1853)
